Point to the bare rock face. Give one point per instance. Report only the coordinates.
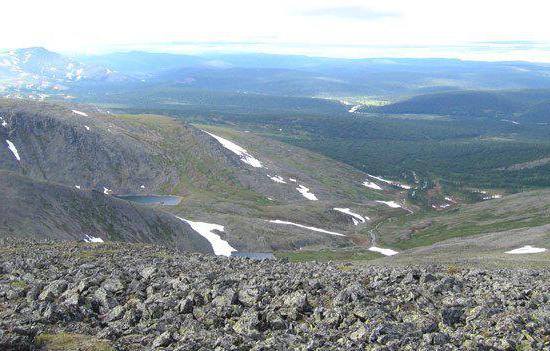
(59, 145)
(132, 296)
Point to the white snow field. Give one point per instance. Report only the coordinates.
(385, 252)
(239, 151)
(527, 249)
(220, 246)
(277, 221)
(13, 149)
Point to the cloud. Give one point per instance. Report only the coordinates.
(357, 13)
(501, 45)
(509, 42)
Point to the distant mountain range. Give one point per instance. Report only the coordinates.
(315, 76)
(40, 70)
(34, 70)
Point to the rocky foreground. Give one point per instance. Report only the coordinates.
(135, 297)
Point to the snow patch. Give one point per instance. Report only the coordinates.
(510, 121)
(391, 204)
(385, 252)
(305, 193)
(277, 179)
(80, 113)
(220, 246)
(277, 221)
(356, 217)
(13, 149)
(91, 239)
(77, 186)
(239, 151)
(372, 185)
(107, 191)
(292, 180)
(87, 128)
(391, 182)
(528, 249)
(142, 187)
(487, 195)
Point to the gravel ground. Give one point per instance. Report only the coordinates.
(139, 297)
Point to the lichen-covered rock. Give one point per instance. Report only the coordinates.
(129, 297)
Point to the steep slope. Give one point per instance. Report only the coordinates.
(286, 171)
(41, 211)
(247, 186)
(74, 148)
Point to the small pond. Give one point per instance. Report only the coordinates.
(166, 200)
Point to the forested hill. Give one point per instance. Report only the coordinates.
(474, 104)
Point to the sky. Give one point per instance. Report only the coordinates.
(479, 30)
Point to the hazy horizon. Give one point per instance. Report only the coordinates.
(326, 28)
(206, 51)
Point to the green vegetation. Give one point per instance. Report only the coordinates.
(340, 178)
(524, 210)
(71, 342)
(455, 143)
(20, 284)
(440, 232)
(328, 255)
(457, 137)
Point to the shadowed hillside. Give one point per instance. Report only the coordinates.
(40, 211)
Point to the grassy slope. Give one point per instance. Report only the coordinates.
(342, 180)
(335, 184)
(213, 190)
(353, 255)
(201, 176)
(523, 210)
(486, 250)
